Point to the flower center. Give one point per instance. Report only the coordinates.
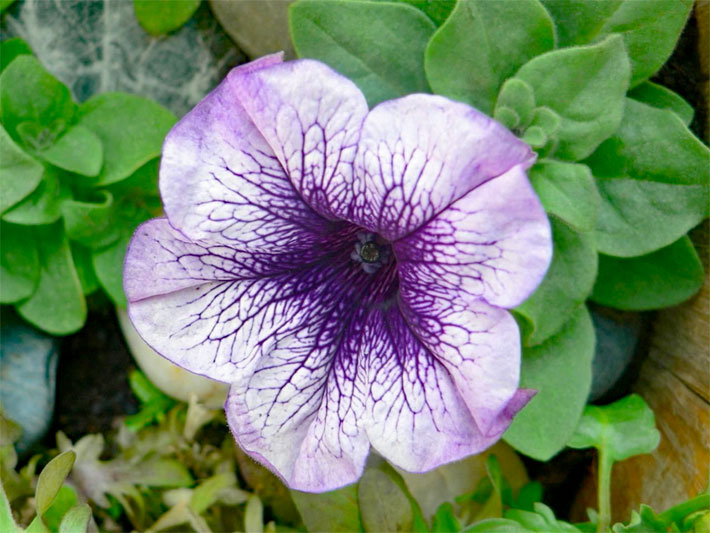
(370, 253)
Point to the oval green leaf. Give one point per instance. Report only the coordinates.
(483, 43)
(378, 45)
(663, 278)
(560, 370)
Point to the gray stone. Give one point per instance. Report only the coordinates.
(618, 335)
(28, 371)
(95, 46)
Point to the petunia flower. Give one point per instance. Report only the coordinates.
(347, 271)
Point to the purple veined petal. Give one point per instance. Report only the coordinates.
(221, 182)
(420, 153)
(290, 346)
(494, 244)
(300, 412)
(221, 328)
(311, 117)
(479, 345)
(160, 260)
(416, 416)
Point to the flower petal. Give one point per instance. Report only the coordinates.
(478, 344)
(311, 117)
(160, 260)
(221, 182)
(494, 244)
(420, 153)
(299, 413)
(416, 415)
(290, 346)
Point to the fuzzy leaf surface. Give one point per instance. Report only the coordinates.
(650, 29)
(378, 45)
(585, 86)
(19, 173)
(560, 370)
(623, 429)
(131, 129)
(660, 279)
(466, 60)
(654, 182)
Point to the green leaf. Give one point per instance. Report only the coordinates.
(78, 150)
(83, 262)
(92, 224)
(51, 480)
(519, 97)
(494, 525)
(652, 144)
(37, 526)
(650, 29)
(637, 217)
(378, 45)
(43, 205)
(4, 4)
(560, 370)
(500, 483)
(444, 520)
(31, 95)
(19, 263)
(659, 186)
(541, 519)
(76, 520)
(209, 492)
(135, 201)
(467, 59)
(623, 429)
(162, 472)
(535, 137)
(663, 98)
(253, 515)
(131, 128)
(7, 523)
(154, 405)
(57, 306)
(64, 500)
(567, 284)
(663, 278)
(567, 190)
(383, 505)
(436, 10)
(19, 173)
(336, 510)
(108, 265)
(10, 49)
(585, 86)
(158, 16)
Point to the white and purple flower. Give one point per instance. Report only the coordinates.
(346, 271)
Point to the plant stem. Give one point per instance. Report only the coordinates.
(604, 491)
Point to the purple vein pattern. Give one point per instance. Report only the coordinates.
(347, 271)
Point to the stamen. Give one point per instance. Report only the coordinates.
(370, 252)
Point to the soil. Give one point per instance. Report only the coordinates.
(92, 377)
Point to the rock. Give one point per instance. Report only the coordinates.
(618, 335)
(169, 378)
(94, 46)
(258, 27)
(28, 374)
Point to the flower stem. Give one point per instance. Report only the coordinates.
(604, 491)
